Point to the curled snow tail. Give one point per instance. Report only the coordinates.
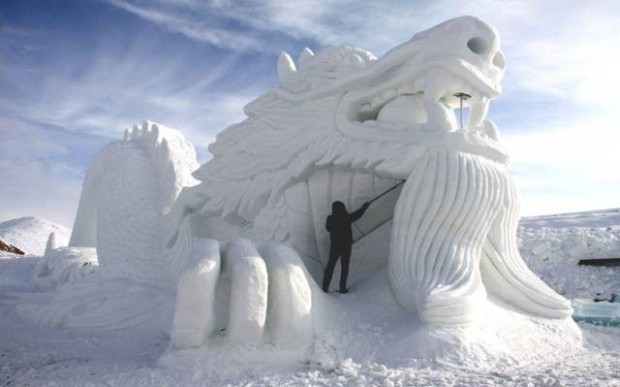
(129, 186)
(452, 206)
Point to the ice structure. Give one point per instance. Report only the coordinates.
(241, 248)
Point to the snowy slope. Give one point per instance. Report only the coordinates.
(30, 234)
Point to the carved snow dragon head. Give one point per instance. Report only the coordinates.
(343, 107)
(410, 88)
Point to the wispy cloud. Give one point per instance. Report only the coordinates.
(117, 87)
(563, 48)
(191, 27)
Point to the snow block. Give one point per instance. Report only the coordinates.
(598, 313)
(193, 313)
(249, 289)
(289, 317)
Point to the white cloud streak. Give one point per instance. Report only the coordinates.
(564, 48)
(192, 29)
(114, 92)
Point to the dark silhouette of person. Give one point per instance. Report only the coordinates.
(339, 226)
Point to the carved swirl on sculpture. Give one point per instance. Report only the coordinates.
(455, 229)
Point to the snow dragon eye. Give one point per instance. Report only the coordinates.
(478, 45)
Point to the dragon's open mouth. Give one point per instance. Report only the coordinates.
(425, 101)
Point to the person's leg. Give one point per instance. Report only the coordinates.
(345, 257)
(329, 269)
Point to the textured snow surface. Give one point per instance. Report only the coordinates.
(62, 265)
(129, 186)
(30, 234)
(371, 351)
(193, 313)
(559, 250)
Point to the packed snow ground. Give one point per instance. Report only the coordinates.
(32, 355)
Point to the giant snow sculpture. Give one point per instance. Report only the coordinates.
(342, 125)
(345, 126)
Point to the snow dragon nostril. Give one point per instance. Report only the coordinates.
(478, 45)
(499, 61)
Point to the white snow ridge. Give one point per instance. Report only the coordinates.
(31, 234)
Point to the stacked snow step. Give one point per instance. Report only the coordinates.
(269, 291)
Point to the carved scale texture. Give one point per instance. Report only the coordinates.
(129, 187)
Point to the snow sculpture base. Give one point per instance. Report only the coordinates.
(368, 326)
(501, 338)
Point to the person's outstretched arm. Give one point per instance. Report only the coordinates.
(359, 212)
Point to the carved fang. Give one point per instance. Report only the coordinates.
(478, 113)
(490, 129)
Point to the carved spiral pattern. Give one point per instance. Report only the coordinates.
(447, 215)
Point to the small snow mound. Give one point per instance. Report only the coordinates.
(31, 234)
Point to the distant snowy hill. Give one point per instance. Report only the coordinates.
(30, 234)
(596, 218)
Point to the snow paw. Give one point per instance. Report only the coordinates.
(267, 296)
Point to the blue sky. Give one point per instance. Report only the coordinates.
(75, 73)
